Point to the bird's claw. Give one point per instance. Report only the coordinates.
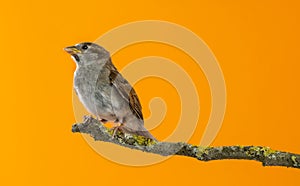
(115, 129)
(87, 118)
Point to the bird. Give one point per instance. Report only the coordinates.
(104, 92)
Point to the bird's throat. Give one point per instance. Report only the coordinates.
(76, 57)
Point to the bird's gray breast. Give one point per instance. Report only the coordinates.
(94, 91)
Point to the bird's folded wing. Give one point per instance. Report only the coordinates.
(126, 91)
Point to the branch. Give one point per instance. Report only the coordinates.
(266, 155)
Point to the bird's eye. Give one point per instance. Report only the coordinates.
(84, 47)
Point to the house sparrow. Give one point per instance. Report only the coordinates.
(103, 91)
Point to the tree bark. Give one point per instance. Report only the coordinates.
(266, 155)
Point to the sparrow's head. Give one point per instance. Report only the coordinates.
(87, 53)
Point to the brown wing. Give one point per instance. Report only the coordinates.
(126, 91)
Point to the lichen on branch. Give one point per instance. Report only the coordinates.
(265, 155)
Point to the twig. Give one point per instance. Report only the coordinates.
(266, 155)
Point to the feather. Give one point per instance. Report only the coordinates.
(126, 91)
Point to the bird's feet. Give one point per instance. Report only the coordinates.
(86, 118)
(115, 129)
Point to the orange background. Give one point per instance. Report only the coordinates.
(256, 44)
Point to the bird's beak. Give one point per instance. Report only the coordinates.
(72, 50)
